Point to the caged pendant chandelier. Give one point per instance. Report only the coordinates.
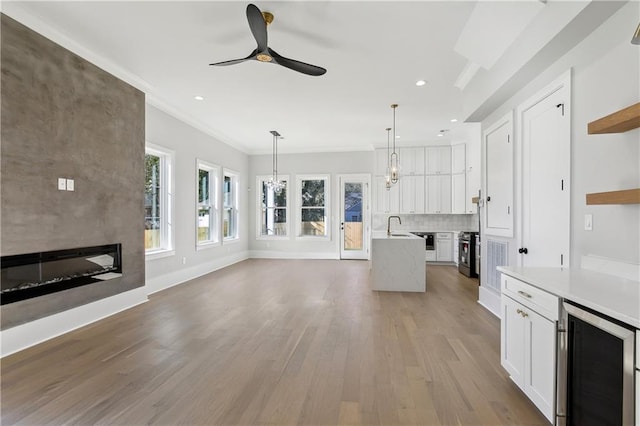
(387, 175)
(394, 159)
(274, 183)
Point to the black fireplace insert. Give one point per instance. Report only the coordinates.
(25, 276)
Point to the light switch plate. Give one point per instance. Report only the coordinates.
(70, 185)
(62, 184)
(588, 222)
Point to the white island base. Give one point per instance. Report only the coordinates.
(397, 263)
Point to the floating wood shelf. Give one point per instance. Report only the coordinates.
(627, 196)
(618, 122)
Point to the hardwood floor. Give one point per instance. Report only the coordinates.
(277, 342)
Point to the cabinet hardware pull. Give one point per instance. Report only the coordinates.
(522, 293)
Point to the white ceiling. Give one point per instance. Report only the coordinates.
(374, 52)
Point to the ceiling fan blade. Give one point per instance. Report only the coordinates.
(236, 61)
(296, 65)
(258, 26)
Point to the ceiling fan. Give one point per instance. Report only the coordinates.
(258, 22)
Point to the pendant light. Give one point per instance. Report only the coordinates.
(394, 159)
(387, 176)
(274, 183)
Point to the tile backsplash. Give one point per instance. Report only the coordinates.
(428, 222)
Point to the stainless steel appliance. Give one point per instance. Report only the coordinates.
(467, 254)
(595, 369)
(429, 243)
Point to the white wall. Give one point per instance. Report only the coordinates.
(292, 165)
(606, 73)
(188, 144)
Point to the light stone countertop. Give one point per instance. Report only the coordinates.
(397, 262)
(616, 297)
(399, 235)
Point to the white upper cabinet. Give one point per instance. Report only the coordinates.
(458, 158)
(411, 161)
(459, 193)
(382, 159)
(438, 160)
(412, 195)
(438, 194)
(386, 201)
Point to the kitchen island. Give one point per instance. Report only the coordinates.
(397, 262)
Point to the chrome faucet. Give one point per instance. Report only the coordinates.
(389, 223)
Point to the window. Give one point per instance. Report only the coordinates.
(273, 209)
(207, 211)
(313, 199)
(158, 199)
(230, 205)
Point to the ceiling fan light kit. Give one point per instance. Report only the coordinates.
(258, 22)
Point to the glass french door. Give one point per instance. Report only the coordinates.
(354, 216)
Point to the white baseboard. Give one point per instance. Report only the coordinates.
(22, 336)
(180, 276)
(268, 254)
(490, 300)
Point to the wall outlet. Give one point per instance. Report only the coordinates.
(62, 184)
(70, 185)
(588, 222)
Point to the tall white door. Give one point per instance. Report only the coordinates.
(498, 148)
(546, 168)
(354, 216)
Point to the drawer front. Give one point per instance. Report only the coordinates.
(444, 236)
(546, 304)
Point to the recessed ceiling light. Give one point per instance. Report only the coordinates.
(440, 134)
(420, 83)
(453, 120)
(198, 98)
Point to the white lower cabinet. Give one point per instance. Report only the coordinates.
(528, 342)
(444, 247)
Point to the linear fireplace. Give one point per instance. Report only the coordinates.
(25, 276)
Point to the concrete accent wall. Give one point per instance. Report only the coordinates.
(64, 117)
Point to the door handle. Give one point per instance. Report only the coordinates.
(522, 250)
(488, 199)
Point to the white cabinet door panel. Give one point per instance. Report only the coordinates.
(411, 161)
(546, 142)
(540, 362)
(458, 158)
(412, 194)
(499, 179)
(512, 328)
(459, 193)
(438, 160)
(386, 201)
